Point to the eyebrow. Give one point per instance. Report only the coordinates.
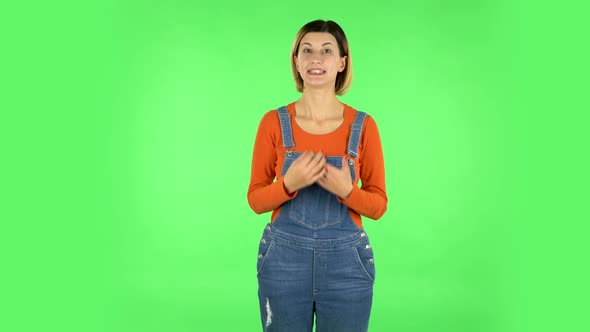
(324, 44)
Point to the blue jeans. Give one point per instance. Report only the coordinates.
(299, 276)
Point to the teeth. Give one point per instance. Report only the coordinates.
(316, 71)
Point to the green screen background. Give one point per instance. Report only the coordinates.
(128, 132)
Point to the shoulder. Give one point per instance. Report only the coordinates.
(369, 123)
(270, 124)
(269, 118)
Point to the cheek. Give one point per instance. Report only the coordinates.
(300, 63)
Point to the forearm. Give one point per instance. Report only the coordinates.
(368, 202)
(267, 197)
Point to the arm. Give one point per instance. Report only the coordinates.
(371, 199)
(265, 194)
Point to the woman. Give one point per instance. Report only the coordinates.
(314, 256)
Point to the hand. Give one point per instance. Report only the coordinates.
(304, 171)
(337, 180)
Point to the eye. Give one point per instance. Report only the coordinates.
(306, 50)
(327, 50)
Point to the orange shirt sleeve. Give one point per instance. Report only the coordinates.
(370, 199)
(264, 193)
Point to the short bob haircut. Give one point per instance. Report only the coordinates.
(343, 79)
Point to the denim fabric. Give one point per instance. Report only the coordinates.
(286, 131)
(299, 276)
(313, 260)
(314, 207)
(355, 134)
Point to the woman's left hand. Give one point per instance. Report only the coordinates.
(337, 180)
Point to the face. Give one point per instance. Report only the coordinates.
(318, 59)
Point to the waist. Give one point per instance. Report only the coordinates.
(310, 243)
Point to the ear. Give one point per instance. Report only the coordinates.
(342, 64)
(296, 63)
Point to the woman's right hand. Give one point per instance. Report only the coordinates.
(304, 171)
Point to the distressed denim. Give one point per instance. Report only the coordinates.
(313, 260)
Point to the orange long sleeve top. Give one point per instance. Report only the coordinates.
(266, 191)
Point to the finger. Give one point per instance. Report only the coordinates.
(316, 166)
(318, 157)
(326, 181)
(304, 158)
(312, 165)
(319, 166)
(332, 168)
(320, 177)
(322, 182)
(310, 157)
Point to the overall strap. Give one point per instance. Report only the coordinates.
(286, 131)
(355, 134)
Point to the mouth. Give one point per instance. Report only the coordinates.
(316, 72)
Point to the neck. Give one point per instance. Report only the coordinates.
(318, 103)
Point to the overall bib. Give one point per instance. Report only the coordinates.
(313, 258)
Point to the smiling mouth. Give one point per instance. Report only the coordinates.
(316, 72)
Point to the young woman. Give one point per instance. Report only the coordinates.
(314, 256)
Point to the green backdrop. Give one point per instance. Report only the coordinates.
(128, 135)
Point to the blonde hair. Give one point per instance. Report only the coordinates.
(344, 78)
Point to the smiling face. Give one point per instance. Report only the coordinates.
(318, 60)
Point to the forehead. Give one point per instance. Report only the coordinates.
(318, 38)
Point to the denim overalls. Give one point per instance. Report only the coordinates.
(314, 258)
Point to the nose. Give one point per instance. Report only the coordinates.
(316, 58)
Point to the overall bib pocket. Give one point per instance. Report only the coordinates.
(315, 207)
